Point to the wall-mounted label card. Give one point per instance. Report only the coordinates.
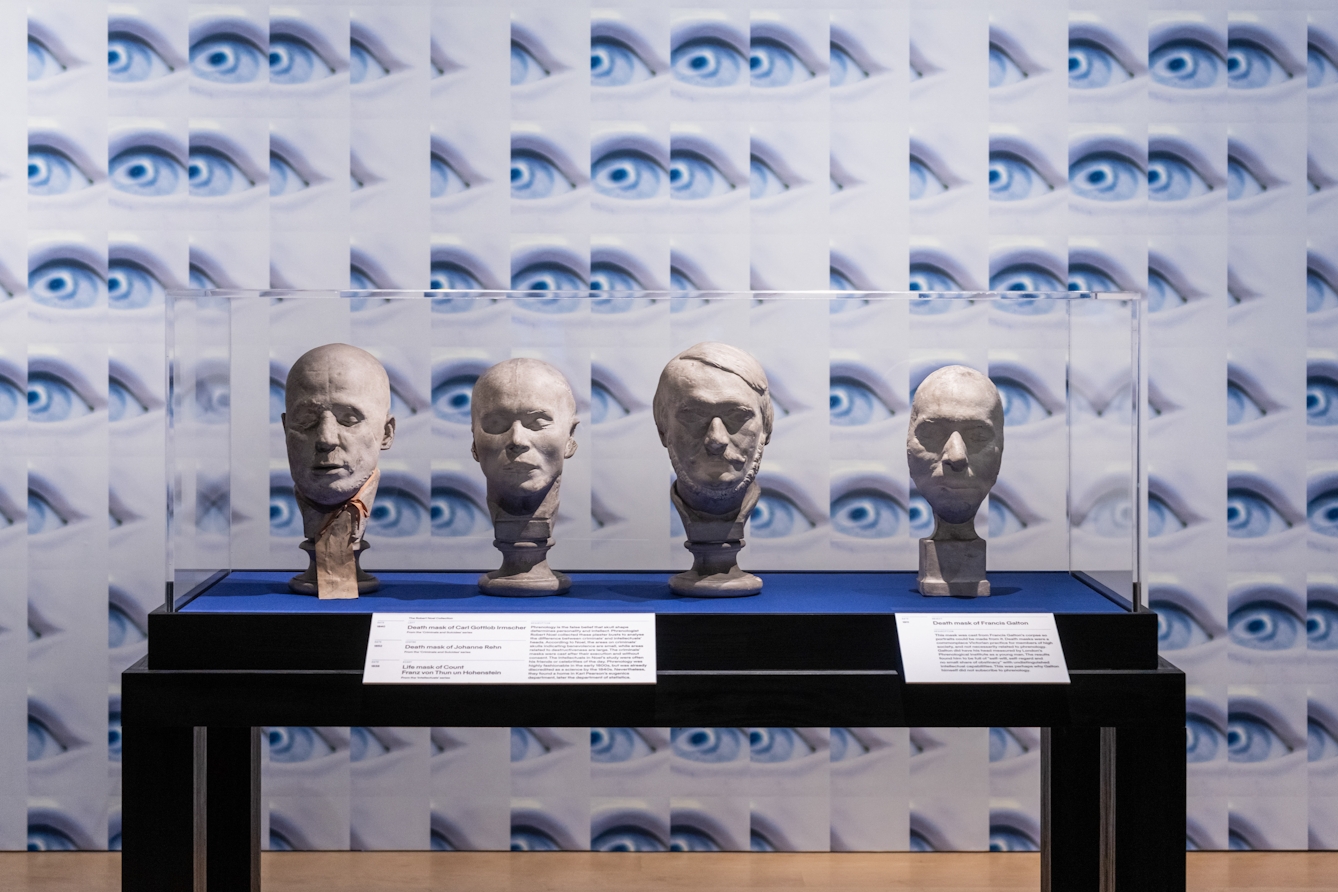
(981, 648)
(511, 648)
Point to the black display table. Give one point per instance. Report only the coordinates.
(813, 650)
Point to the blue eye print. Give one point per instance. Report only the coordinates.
(296, 743)
(534, 176)
(1111, 516)
(1241, 182)
(1250, 515)
(363, 745)
(1203, 740)
(1251, 739)
(277, 393)
(773, 64)
(920, 843)
(763, 182)
(1013, 178)
(279, 843)
(526, 745)
(364, 67)
(42, 744)
(1092, 66)
(927, 277)
(1320, 743)
(617, 745)
(451, 398)
(776, 745)
(42, 63)
(630, 175)
(131, 287)
(777, 516)
(454, 513)
(867, 514)
(51, 172)
(853, 403)
(1321, 625)
(614, 64)
(1185, 65)
(1162, 519)
(45, 838)
(525, 69)
(294, 61)
(604, 406)
(122, 402)
(1321, 401)
(1005, 745)
(51, 398)
(396, 513)
(1085, 277)
(706, 62)
(445, 179)
(11, 397)
(1162, 295)
(1173, 179)
(708, 744)
(1264, 625)
(759, 843)
(1003, 70)
(1025, 278)
(131, 59)
(839, 281)
(845, 746)
(66, 284)
(627, 839)
(284, 178)
(145, 171)
(690, 839)
(1241, 407)
(447, 276)
(548, 277)
(924, 183)
(226, 59)
(200, 280)
(1105, 176)
(1319, 68)
(285, 520)
(212, 174)
(437, 842)
(1176, 626)
(1322, 513)
(692, 176)
(843, 69)
(121, 629)
(532, 839)
(114, 736)
(610, 277)
(1004, 838)
(1020, 405)
(213, 398)
(1250, 66)
(1003, 519)
(1319, 294)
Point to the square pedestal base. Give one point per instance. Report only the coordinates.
(953, 568)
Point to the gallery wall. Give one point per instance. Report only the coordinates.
(1188, 151)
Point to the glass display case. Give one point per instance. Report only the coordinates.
(836, 492)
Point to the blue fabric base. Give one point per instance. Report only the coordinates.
(245, 591)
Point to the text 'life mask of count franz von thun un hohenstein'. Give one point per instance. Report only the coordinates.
(713, 413)
(336, 423)
(954, 445)
(523, 416)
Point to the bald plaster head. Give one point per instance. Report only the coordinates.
(523, 416)
(337, 421)
(954, 441)
(713, 412)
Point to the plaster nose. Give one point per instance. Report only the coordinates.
(327, 432)
(519, 439)
(954, 452)
(717, 437)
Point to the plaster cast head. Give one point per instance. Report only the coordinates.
(713, 412)
(955, 440)
(523, 416)
(337, 421)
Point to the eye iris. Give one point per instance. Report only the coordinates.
(867, 515)
(1090, 66)
(1104, 177)
(707, 63)
(145, 172)
(627, 175)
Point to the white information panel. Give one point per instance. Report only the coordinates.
(976, 648)
(511, 648)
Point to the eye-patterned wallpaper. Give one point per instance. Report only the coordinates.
(1190, 153)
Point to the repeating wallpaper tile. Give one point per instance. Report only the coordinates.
(1191, 153)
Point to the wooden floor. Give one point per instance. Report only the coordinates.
(502, 872)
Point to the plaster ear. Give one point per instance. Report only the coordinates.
(474, 450)
(389, 436)
(571, 448)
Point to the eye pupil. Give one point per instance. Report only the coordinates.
(218, 57)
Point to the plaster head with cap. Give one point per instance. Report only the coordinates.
(954, 445)
(523, 415)
(713, 413)
(336, 421)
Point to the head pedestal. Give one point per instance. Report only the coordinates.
(715, 541)
(524, 541)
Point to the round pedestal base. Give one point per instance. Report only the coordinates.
(532, 584)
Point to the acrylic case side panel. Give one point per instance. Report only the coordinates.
(1106, 408)
(199, 453)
